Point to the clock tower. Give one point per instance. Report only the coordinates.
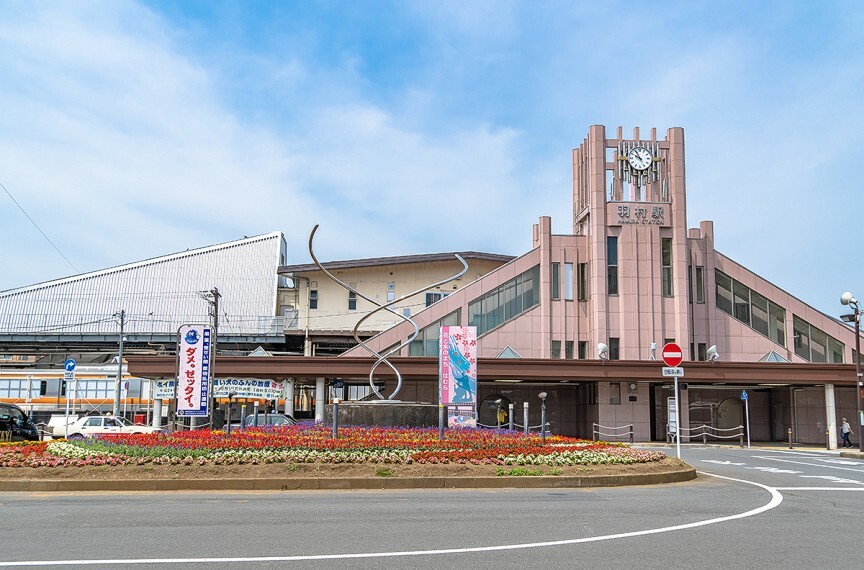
(629, 203)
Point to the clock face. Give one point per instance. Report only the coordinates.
(639, 158)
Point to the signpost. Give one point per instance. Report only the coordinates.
(747, 415)
(69, 379)
(673, 356)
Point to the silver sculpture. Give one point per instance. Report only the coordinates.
(382, 358)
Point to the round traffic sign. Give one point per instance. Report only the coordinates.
(69, 365)
(672, 354)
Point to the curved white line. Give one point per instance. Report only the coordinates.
(776, 499)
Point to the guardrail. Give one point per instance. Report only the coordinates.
(707, 431)
(612, 434)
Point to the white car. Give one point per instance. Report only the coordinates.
(90, 426)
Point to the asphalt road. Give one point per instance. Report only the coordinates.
(748, 508)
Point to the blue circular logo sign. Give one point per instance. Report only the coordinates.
(69, 365)
(192, 337)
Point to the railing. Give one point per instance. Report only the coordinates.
(707, 431)
(615, 433)
(519, 427)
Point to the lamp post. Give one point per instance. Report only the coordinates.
(847, 299)
(542, 396)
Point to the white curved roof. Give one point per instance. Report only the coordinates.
(159, 294)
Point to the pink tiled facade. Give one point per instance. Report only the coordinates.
(660, 297)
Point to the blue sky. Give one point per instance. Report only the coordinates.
(136, 129)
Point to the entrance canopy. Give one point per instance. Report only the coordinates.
(529, 370)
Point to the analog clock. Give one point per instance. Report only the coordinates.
(639, 157)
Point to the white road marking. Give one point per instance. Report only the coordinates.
(811, 464)
(775, 470)
(776, 499)
(832, 479)
(819, 488)
(718, 462)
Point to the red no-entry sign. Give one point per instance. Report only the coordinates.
(672, 354)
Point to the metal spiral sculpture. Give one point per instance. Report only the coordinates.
(382, 358)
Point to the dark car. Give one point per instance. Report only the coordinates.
(15, 425)
(269, 420)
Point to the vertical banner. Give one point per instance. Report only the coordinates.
(193, 370)
(457, 375)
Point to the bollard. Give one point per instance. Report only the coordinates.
(228, 422)
(335, 418)
(704, 437)
(255, 413)
(510, 409)
(827, 439)
(525, 416)
(790, 438)
(243, 415)
(631, 434)
(440, 421)
(741, 439)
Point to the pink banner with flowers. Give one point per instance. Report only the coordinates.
(457, 379)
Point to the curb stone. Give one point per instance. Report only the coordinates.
(345, 484)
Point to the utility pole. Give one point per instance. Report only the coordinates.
(122, 315)
(213, 300)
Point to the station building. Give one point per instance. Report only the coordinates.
(630, 276)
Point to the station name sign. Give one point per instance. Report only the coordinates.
(638, 214)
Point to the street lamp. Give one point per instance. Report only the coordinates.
(847, 299)
(542, 396)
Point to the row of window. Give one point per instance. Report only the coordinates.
(666, 288)
(751, 308)
(391, 296)
(815, 345)
(506, 302)
(581, 281)
(428, 342)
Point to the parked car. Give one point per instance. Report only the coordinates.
(16, 425)
(269, 420)
(90, 426)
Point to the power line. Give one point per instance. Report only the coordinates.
(37, 227)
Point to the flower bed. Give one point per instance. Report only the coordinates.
(314, 444)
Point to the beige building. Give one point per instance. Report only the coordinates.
(321, 315)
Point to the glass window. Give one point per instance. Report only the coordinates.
(701, 351)
(568, 349)
(583, 349)
(391, 296)
(801, 337)
(556, 349)
(568, 281)
(313, 299)
(759, 312)
(700, 284)
(818, 345)
(666, 260)
(510, 300)
(777, 324)
(724, 292)
(352, 301)
(556, 280)
(836, 349)
(613, 348)
(434, 296)
(612, 265)
(582, 280)
(741, 298)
